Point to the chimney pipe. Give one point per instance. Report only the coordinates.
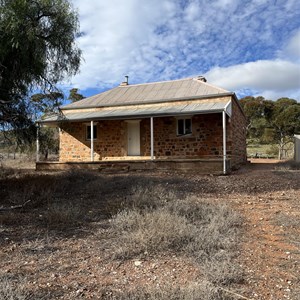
(124, 83)
(201, 78)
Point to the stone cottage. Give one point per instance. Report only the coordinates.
(180, 124)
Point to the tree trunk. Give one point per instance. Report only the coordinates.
(46, 154)
(281, 145)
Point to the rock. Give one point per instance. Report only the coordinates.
(137, 263)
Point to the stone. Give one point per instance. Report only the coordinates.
(137, 263)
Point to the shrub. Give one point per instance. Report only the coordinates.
(10, 290)
(287, 220)
(150, 231)
(272, 151)
(194, 291)
(205, 231)
(63, 214)
(148, 196)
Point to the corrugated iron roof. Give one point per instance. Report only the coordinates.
(141, 112)
(189, 88)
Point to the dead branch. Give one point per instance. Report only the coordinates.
(235, 294)
(14, 206)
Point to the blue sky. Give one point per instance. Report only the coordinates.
(249, 47)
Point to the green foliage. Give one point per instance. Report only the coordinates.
(253, 107)
(46, 103)
(272, 121)
(49, 142)
(258, 112)
(74, 95)
(37, 50)
(272, 151)
(285, 121)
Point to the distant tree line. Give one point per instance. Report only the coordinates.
(42, 105)
(271, 122)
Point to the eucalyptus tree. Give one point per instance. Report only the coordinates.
(74, 96)
(37, 50)
(285, 122)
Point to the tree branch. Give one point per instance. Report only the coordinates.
(2, 209)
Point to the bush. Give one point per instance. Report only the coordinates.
(150, 231)
(272, 151)
(63, 214)
(148, 196)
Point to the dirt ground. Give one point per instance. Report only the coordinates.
(75, 263)
(271, 244)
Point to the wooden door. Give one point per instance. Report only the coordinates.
(133, 129)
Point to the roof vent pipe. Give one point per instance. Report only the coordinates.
(125, 82)
(201, 78)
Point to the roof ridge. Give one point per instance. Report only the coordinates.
(155, 91)
(209, 84)
(155, 82)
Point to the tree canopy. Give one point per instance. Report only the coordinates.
(74, 96)
(37, 50)
(272, 121)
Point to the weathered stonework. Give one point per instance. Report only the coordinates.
(205, 141)
(237, 136)
(110, 141)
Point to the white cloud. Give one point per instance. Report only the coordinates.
(113, 33)
(261, 75)
(270, 78)
(293, 47)
(166, 39)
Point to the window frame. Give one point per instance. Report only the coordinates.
(184, 119)
(88, 132)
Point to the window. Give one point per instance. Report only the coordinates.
(88, 132)
(184, 126)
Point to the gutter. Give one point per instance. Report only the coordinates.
(136, 116)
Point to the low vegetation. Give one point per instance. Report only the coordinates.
(288, 165)
(147, 221)
(69, 235)
(11, 289)
(203, 290)
(205, 231)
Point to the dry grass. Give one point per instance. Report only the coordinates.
(149, 231)
(12, 290)
(288, 165)
(206, 232)
(148, 218)
(63, 215)
(193, 291)
(287, 220)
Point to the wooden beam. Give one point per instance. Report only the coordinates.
(92, 140)
(151, 138)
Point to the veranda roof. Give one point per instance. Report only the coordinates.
(142, 112)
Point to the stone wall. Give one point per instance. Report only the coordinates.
(110, 141)
(237, 136)
(205, 141)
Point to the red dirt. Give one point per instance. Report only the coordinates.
(81, 267)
